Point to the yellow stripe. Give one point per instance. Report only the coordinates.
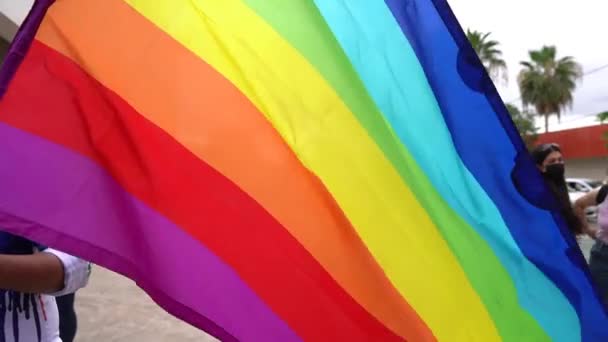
(325, 135)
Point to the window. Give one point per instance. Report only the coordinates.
(578, 187)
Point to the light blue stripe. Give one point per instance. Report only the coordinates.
(390, 70)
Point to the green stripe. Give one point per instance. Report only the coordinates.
(300, 23)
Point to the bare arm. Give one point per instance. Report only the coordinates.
(34, 273)
(588, 200)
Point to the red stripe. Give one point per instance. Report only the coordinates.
(52, 97)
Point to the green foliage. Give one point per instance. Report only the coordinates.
(602, 118)
(548, 83)
(524, 121)
(489, 53)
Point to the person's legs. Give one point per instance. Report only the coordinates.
(598, 264)
(67, 317)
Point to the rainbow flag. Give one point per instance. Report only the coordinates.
(283, 170)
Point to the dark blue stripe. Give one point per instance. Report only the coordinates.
(490, 146)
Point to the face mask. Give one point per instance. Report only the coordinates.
(555, 172)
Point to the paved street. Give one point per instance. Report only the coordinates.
(113, 309)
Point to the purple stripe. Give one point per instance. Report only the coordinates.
(61, 199)
(21, 43)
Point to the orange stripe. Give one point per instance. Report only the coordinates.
(192, 102)
(82, 115)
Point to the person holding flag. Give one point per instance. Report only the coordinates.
(31, 276)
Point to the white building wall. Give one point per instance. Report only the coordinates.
(594, 168)
(12, 14)
(15, 10)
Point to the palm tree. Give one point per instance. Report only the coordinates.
(548, 83)
(602, 117)
(524, 121)
(489, 53)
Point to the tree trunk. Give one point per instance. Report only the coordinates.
(546, 123)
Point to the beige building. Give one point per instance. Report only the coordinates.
(12, 14)
(4, 38)
(594, 168)
(3, 48)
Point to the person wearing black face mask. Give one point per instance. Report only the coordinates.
(555, 172)
(550, 161)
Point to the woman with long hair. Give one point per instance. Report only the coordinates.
(550, 162)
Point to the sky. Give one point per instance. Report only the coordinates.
(576, 28)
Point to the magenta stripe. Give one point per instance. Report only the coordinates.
(61, 199)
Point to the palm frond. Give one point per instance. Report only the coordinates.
(489, 53)
(548, 83)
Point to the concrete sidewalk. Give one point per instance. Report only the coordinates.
(113, 309)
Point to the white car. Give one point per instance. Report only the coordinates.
(578, 187)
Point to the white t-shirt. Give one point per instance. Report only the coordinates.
(36, 321)
(34, 318)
